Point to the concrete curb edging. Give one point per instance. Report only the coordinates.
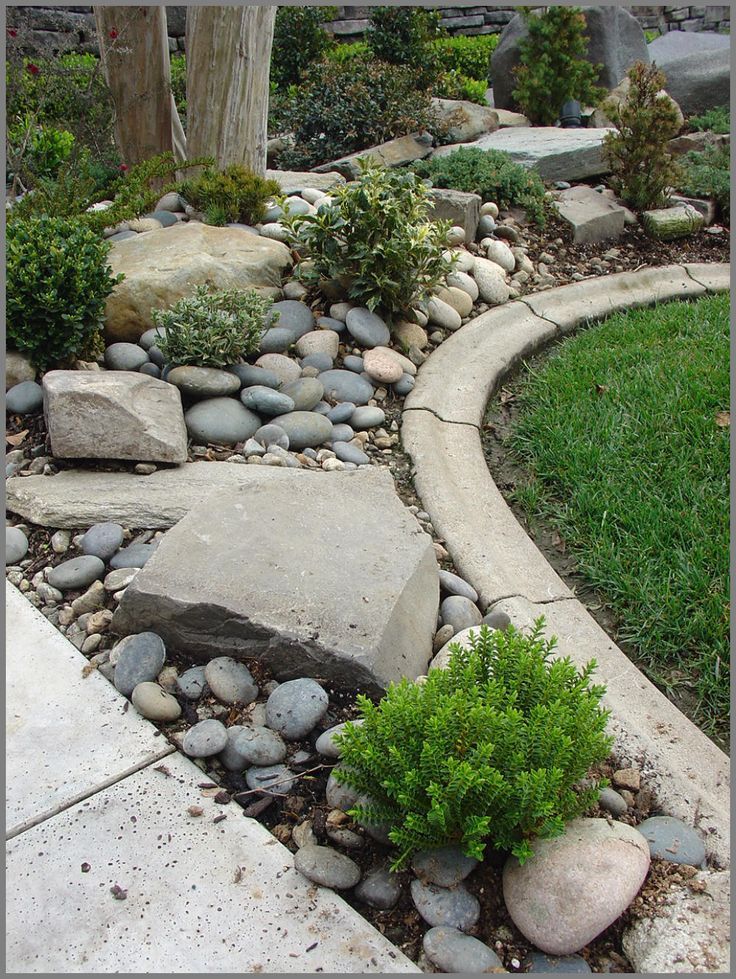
(441, 433)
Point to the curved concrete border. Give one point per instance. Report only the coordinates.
(441, 432)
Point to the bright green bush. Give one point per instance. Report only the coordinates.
(355, 51)
(212, 329)
(344, 108)
(716, 120)
(57, 282)
(469, 56)
(637, 150)
(376, 239)
(298, 40)
(232, 194)
(489, 751)
(490, 173)
(36, 152)
(402, 36)
(552, 66)
(708, 174)
(454, 85)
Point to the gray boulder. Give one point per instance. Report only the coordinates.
(616, 41)
(259, 572)
(465, 121)
(457, 207)
(700, 81)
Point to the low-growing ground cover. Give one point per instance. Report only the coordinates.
(624, 435)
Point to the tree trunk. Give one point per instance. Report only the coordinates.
(228, 58)
(134, 49)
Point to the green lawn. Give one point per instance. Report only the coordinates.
(625, 443)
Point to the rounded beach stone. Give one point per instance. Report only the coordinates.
(461, 280)
(16, 545)
(250, 375)
(294, 316)
(318, 342)
(491, 283)
(381, 367)
(152, 701)
(305, 393)
(379, 889)
(266, 401)
(575, 885)
(339, 311)
(138, 658)
(497, 620)
(451, 951)
(277, 340)
(458, 299)
(367, 328)
(151, 337)
(24, 398)
(296, 205)
(223, 421)
(325, 744)
(343, 385)
(346, 452)
(671, 839)
(339, 796)
(612, 802)
(322, 362)
(500, 253)
(230, 681)
(258, 745)
(411, 334)
(489, 207)
(341, 412)
(329, 323)
(326, 866)
(353, 363)
(443, 315)
(275, 231)
(229, 756)
(284, 368)
(305, 428)
(460, 612)
(205, 739)
(342, 433)
(268, 435)
(456, 235)
(455, 585)
(151, 370)
(125, 357)
(456, 908)
(102, 540)
(486, 226)
(79, 572)
(270, 779)
(444, 866)
(539, 962)
(295, 707)
(134, 556)
(192, 682)
(404, 386)
(203, 382)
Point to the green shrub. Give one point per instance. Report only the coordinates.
(232, 194)
(651, 35)
(341, 53)
(708, 174)
(403, 36)
(212, 329)
(637, 151)
(552, 66)
(716, 120)
(298, 40)
(58, 281)
(489, 751)
(469, 56)
(344, 108)
(376, 239)
(454, 85)
(490, 173)
(36, 152)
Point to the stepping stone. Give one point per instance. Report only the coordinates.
(259, 572)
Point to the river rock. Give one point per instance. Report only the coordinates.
(491, 282)
(539, 962)
(78, 572)
(326, 866)
(277, 340)
(294, 316)
(341, 385)
(306, 392)
(304, 428)
(205, 739)
(443, 315)
(367, 416)
(140, 658)
(500, 253)
(192, 682)
(270, 779)
(295, 708)
(203, 382)
(380, 889)
(223, 421)
(451, 951)
(113, 415)
(550, 898)
(445, 866)
(125, 357)
(18, 368)
(455, 585)
(456, 908)
(266, 401)
(24, 398)
(150, 700)
(325, 743)
(268, 435)
(249, 375)
(133, 556)
(102, 540)
(258, 745)
(459, 612)
(16, 545)
(230, 681)
(347, 452)
(285, 369)
(612, 802)
(671, 839)
(367, 328)
(381, 367)
(318, 342)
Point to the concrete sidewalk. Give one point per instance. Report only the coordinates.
(97, 801)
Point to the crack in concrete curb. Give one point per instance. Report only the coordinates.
(445, 421)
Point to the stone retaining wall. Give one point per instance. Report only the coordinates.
(54, 30)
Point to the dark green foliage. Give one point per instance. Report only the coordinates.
(344, 108)
(469, 56)
(488, 751)
(642, 167)
(716, 120)
(298, 40)
(552, 66)
(708, 174)
(232, 194)
(402, 36)
(178, 64)
(490, 173)
(212, 329)
(376, 238)
(58, 281)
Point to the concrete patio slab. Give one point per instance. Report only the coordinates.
(201, 897)
(66, 734)
(488, 546)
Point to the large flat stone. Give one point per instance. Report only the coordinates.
(700, 81)
(395, 153)
(591, 216)
(66, 734)
(79, 498)
(295, 181)
(113, 415)
(298, 572)
(202, 896)
(557, 154)
(161, 267)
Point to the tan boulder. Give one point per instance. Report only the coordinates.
(465, 121)
(161, 267)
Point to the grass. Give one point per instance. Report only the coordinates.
(624, 436)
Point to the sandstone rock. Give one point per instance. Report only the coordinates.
(113, 415)
(458, 207)
(591, 216)
(395, 153)
(257, 572)
(465, 120)
(163, 266)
